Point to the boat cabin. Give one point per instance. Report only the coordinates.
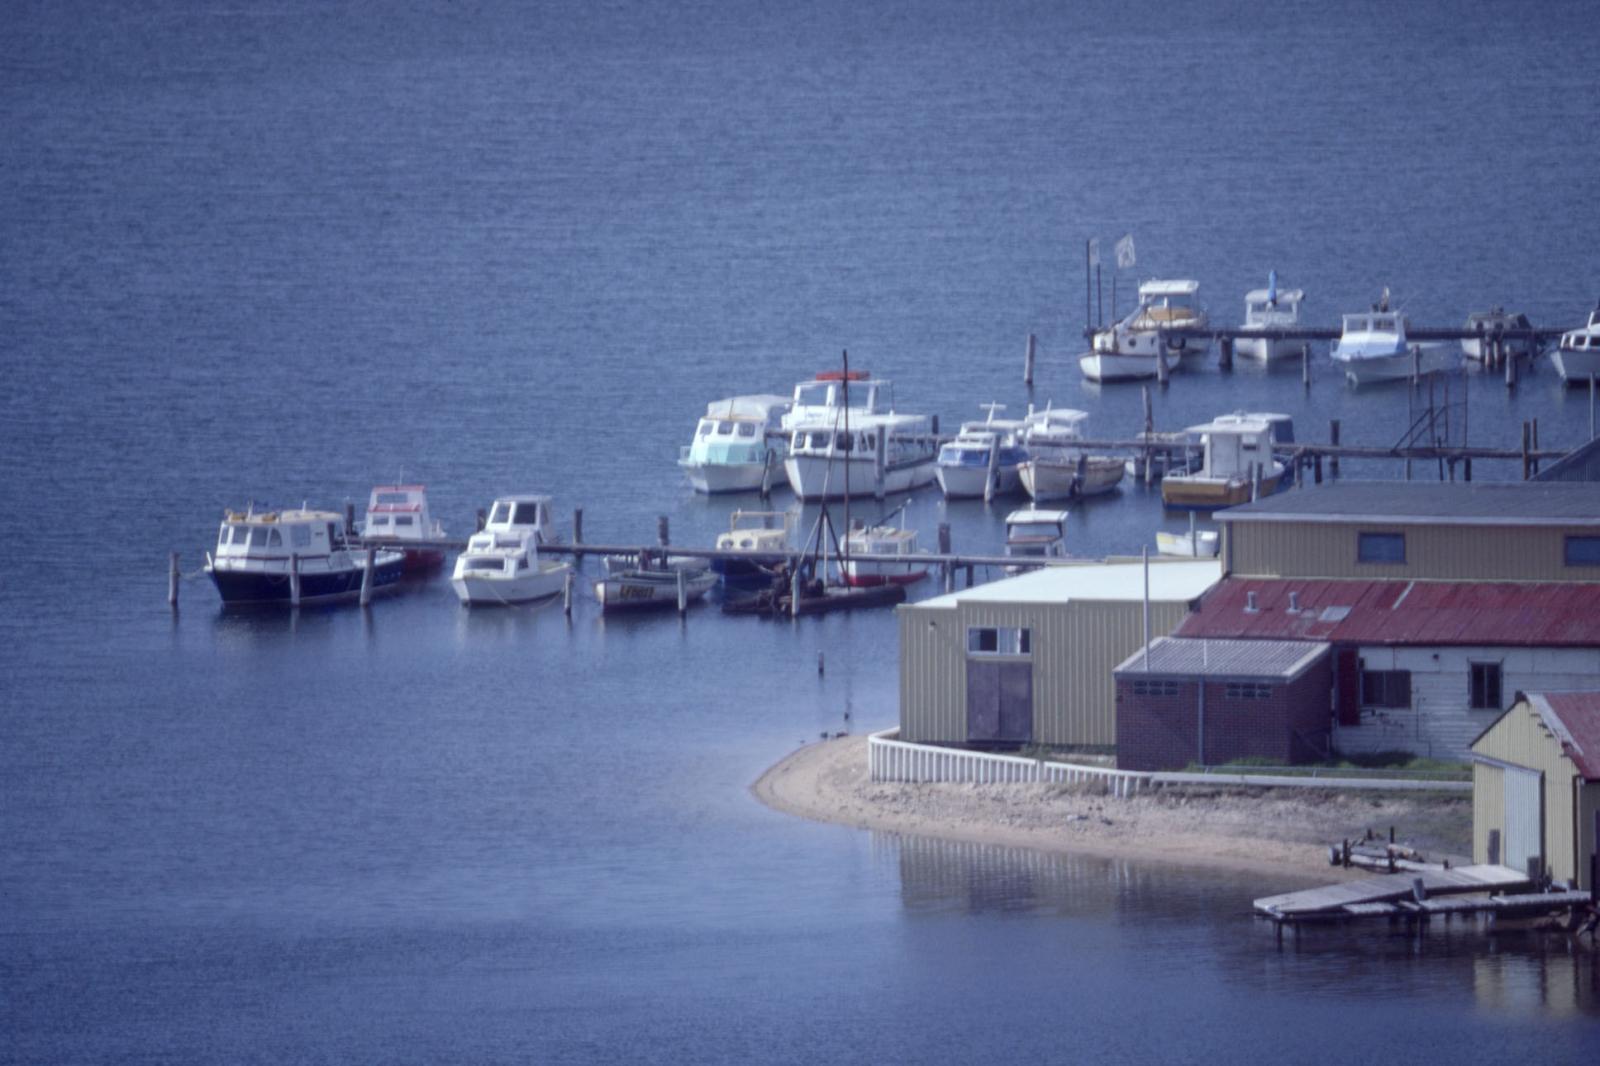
(518, 514)
(1267, 307)
(1390, 324)
(821, 399)
(1164, 302)
(399, 511)
(757, 531)
(279, 534)
(735, 429)
(1035, 534)
(1235, 445)
(902, 438)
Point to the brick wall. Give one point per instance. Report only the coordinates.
(1290, 725)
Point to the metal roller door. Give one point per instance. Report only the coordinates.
(1524, 817)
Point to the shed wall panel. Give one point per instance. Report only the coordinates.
(1443, 552)
(1488, 809)
(1521, 739)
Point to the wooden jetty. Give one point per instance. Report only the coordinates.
(1421, 893)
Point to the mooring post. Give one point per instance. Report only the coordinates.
(1225, 353)
(294, 579)
(880, 463)
(994, 463)
(1305, 365)
(577, 526)
(1525, 470)
(683, 590)
(794, 590)
(566, 594)
(1161, 359)
(1027, 363)
(944, 550)
(173, 576)
(349, 519)
(1416, 363)
(820, 668)
(1535, 445)
(1317, 469)
(1511, 370)
(1149, 431)
(1591, 407)
(366, 576)
(662, 531)
(766, 473)
(1333, 457)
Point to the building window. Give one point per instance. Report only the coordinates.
(1155, 688)
(1485, 686)
(1381, 548)
(1386, 688)
(1248, 690)
(1583, 551)
(999, 640)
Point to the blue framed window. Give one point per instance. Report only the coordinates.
(1381, 548)
(1583, 551)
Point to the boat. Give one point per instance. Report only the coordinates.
(1033, 535)
(983, 459)
(737, 444)
(397, 516)
(1195, 544)
(763, 535)
(1372, 347)
(1487, 323)
(1237, 466)
(1267, 310)
(882, 539)
(1577, 357)
(501, 564)
(1058, 467)
(841, 445)
(1164, 452)
(645, 587)
(293, 558)
(1130, 349)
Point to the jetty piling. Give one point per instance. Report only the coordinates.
(366, 575)
(1225, 353)
(662, 532)
(1027, 362)
(294, 579)
(173, 576)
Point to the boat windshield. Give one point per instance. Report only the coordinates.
(483, 566)
(706, 426)
(528, 514)
(501, 512)
(724, 429)
(391, 498)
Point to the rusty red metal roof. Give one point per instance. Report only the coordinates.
(1517, 614)
(1578, 717)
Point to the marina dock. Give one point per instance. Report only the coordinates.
(1420, 894)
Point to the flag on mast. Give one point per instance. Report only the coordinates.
(1125, 253)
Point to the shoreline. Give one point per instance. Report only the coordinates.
(1253, 831)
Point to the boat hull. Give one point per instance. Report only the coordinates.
(479, 590)
(1200, 545)
(1112, 366)
(1367, 370)
(716, 478)
(969, 482)
(1266, 349)
(1195, 492)
(632, 592)
(811, 479)
(256, 585)
(1576, 367)
(1060, 481)
(871, 575)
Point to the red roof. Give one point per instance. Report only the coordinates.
(1401, 612)
(1579, 714)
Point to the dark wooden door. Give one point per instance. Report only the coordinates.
(1347, 684)
(999, 702)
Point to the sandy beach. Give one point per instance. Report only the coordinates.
(1247, 830)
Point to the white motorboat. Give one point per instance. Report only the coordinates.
(983, 459)
(647, 587)
(908, 566)
(502, 564)
(1577, 357)
(1195, 544)
(1058, 467)
(1372, 347)
(1033, 535)
(759, 534)
(398, 516)
(846, 439)
(1498, 320)
(1130, 349)
(734, 443)
(293, 558)
(1237, 466)
(1265, 311)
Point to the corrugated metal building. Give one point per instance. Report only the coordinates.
(1536, 786)
(1029, 659)
(1214, 701)
(1449, 531)
(1419, 666)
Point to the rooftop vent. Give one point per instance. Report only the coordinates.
(1250, 602)
(1294, 601)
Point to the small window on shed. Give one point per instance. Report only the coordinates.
(1485, 686)
(1248, 690)
(1583, 551)
(1381, 548)
(999, 640)
(1154, 688)
(1386, 688)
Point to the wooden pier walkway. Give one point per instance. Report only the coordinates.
(1420, 894)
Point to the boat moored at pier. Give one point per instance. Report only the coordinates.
(1237, 466)
(294, 558)
(1058, 467)
(1488, 324)
(501, 564)
(734, 443)
(1266, 310)
(909, 566)
(1372, 347)
(1577, 356)
(397, 516)
(1033, 535)
(982, 452)
(1130, 349)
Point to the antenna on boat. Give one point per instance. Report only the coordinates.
(849, 445)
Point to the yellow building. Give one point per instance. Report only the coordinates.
(1536, 786)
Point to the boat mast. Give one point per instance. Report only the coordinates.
(844, 551)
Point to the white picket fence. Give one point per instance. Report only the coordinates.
(892, 759)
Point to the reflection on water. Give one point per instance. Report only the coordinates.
(1506, 972)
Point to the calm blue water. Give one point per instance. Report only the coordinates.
(282, 252)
